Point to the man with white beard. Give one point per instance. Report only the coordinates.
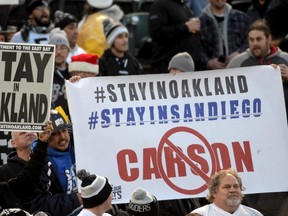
(225, 196)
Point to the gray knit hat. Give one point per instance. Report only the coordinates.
(61, 19)
(182, 61)
(143, 203)
(58, 37)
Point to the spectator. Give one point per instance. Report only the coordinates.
(11, 30)
(225, 196)
(173, 29)
(59, 39)
(143, 203)
(82, 66)
(91, 35)
(258, 9)
(69, 24)
(15, 190)
(17, 160)
(262, 52)
(57, 192)
(181, 62)
(222, 33)
(96, 193)
(38, 26)
(116, 60)
(6, 35)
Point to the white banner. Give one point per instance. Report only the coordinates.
(169, 133)
(26, 85)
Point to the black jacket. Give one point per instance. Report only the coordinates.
(17, 189)
(110, 65)
(12, 168)
(169, 33)
(59, 97)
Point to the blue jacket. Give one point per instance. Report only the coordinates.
(57, 191)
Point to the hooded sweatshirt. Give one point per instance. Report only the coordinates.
(245, 59)
(276, 56)
(12, 168)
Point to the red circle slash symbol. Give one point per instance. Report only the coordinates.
(166, 141)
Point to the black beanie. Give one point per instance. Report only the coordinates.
(34, 4)
(63, 19)
(143, 203)
(95, 190)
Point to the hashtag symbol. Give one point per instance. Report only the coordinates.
(93, 120)
(99, 94)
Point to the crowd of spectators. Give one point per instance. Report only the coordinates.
(215, 35)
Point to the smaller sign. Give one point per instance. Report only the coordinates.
(26, 86)
(9, 2)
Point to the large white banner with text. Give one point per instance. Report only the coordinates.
(169, 133)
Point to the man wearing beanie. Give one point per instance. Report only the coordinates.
(37, 28)
(143, 203)
(68, 23)
(96, 193)
(181, 62)
(116, 60)
(57, 191)
(61, 73)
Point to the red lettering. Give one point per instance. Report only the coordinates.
(150, 164)
(124, 158)
(243, 156)
(193, 152)
(175, 166)
(173, 160)
(221, 152)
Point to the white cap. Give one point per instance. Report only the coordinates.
(100, 3)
